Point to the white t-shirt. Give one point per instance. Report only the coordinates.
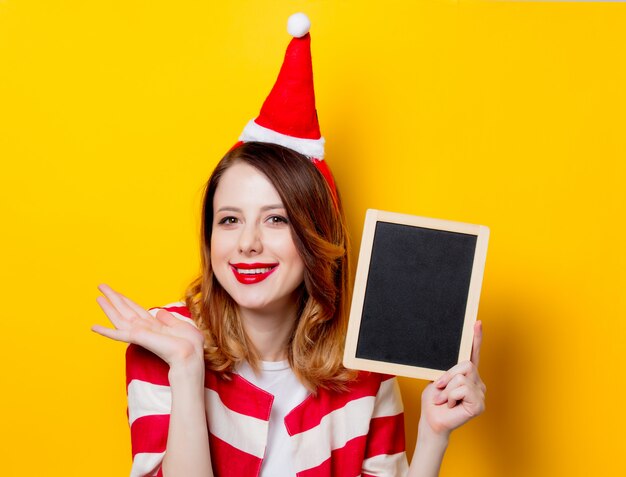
(277, 378)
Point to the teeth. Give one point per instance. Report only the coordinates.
(253, 271)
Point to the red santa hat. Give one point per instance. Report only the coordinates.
(288, 116)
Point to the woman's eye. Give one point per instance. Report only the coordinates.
(228, 221)
(277, 219)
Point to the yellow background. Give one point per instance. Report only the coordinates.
(512, 115)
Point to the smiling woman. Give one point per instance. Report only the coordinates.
(249, 370)
(245, 378)
(261, 335)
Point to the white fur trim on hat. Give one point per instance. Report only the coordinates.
(309, 147)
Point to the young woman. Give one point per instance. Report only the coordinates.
(245, 377)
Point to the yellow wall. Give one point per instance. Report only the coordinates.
(112, 115)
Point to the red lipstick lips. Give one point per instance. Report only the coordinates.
(251, 273)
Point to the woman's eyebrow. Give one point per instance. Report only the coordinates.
(237, 209)
(229, 209)
(273, 206)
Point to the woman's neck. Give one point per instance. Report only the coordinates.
(270, 330)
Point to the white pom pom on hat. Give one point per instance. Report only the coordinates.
(298, 25)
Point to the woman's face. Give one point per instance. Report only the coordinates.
(252, 251)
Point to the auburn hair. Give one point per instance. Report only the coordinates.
(315, 347)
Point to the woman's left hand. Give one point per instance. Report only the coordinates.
(456, 397)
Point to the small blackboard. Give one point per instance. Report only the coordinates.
(416, 295)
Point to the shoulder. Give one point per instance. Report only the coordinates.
(366, 387)
(144, 365)
(369, 376)
(177, 308)
(387, 389)
(371, 381)
(380, 390)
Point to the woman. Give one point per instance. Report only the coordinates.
(245, 378)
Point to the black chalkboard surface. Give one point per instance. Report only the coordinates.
(416, 294)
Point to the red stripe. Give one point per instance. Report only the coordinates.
(146, 366)
(149, 434)
(181, 310)
(386, 436)
(228, 461)
(310, 413)
(237, 394)
(241, 396)
(344, 462)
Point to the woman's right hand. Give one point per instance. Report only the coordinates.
(181, 345)
(176, 342)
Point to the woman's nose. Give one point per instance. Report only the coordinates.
(250, 239)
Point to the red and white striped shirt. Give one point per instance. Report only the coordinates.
(359, 432)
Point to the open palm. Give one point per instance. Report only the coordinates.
(173, 340)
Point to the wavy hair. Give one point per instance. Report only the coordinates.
(315, 347)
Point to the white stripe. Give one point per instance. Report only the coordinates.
(309, 147)
(395, 464)
(154, 311)
(333, 432)
(338, 427)
(147, 399)
(388, 399)
(146, 464)
(246, 433)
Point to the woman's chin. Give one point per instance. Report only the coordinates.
(262, 305)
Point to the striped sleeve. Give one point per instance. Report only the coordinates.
(385, 449)
(149, 403)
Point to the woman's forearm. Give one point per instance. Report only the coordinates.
(187, 453)
(429, 451)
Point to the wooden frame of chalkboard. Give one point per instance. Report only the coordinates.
(416, 294)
